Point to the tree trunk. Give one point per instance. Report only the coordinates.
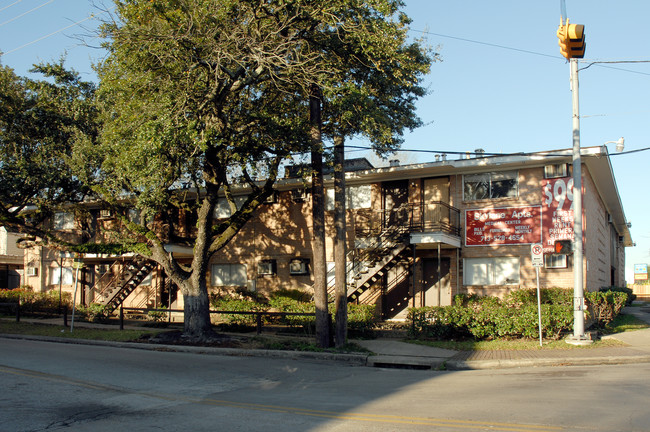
(196, 310)
(340, 244)
(318, 214)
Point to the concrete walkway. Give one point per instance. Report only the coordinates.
(395, 353)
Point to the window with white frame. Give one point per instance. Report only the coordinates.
(555, 261)
(356, 197)
(491, 271)
(491, 185)
(229, 275)
(63, 221)
(64, 276)
(266, 267)
(556, 171)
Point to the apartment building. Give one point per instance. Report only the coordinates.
(417, 235)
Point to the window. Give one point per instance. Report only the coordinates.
(554, 261)
(229, 275)
(556, 171)
(491, 271)
(222, 209)
(356, 197)
(63, 275)
(300, 195)
(266, 267)
(490, 185)
(63, 221)
(298, 266)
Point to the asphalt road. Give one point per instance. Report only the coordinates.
(56, 387)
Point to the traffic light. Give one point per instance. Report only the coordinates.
(571, 39)
(563, 247)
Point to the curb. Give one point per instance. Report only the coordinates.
(576, 361)
(352, 359)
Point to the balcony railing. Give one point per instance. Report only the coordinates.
(435, 216)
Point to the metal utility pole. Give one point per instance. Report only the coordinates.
(578, 276)
(572, 46)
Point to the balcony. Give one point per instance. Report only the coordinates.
(427, 223)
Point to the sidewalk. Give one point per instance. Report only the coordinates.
(394, 353)
(397, 354)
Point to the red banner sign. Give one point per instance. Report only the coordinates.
(503, 226)
(557, 211)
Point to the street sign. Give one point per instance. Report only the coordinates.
(537, 254)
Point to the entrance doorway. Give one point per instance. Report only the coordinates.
(436, 282)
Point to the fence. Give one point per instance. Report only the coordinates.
(10, 306)
(258, 315)
(642, 291)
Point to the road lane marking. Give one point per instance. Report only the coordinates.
(351, 416)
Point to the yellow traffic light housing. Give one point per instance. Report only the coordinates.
(571, 39)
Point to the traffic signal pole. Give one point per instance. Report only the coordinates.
(571, 39)
(578, 266)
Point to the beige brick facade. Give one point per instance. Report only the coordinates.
(433, 262)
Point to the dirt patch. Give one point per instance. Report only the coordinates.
(176, 337)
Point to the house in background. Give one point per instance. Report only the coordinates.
(417, 235)
(11, 260)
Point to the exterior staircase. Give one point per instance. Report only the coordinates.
(122, 278)
(366, 266)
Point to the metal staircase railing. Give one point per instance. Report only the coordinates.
(120, 280)
(365, 266)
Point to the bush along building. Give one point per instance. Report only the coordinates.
(417, 235)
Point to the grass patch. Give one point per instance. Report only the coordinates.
(625, 322)
(27, 328)
(512, 345)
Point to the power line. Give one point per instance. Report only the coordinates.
(360, 148)
(558, 57)
(48, 35)
(10, 5)
(25, 13)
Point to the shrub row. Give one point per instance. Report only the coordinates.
(361, 318)
(513, 317)
(35, 302)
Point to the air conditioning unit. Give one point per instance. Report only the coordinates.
(250, 285)
(32, 271)
(299, 195)
(298, 266)
(105, 214)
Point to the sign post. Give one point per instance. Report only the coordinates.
(537, 257)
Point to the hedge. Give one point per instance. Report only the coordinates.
(513, 317)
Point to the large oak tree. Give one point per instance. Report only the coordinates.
(216, 93)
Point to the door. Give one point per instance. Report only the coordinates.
(435, 202)
(436, 284)
(395, 195)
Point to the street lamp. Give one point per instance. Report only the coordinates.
(620, 144)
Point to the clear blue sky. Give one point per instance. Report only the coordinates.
(501, 86)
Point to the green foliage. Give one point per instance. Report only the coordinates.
(32, 302)
(606, 305)
(228, 303)
(40, 122)
(491, 318)
(361, 320)
(630, 294)
(94, 312)
(157, 315)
